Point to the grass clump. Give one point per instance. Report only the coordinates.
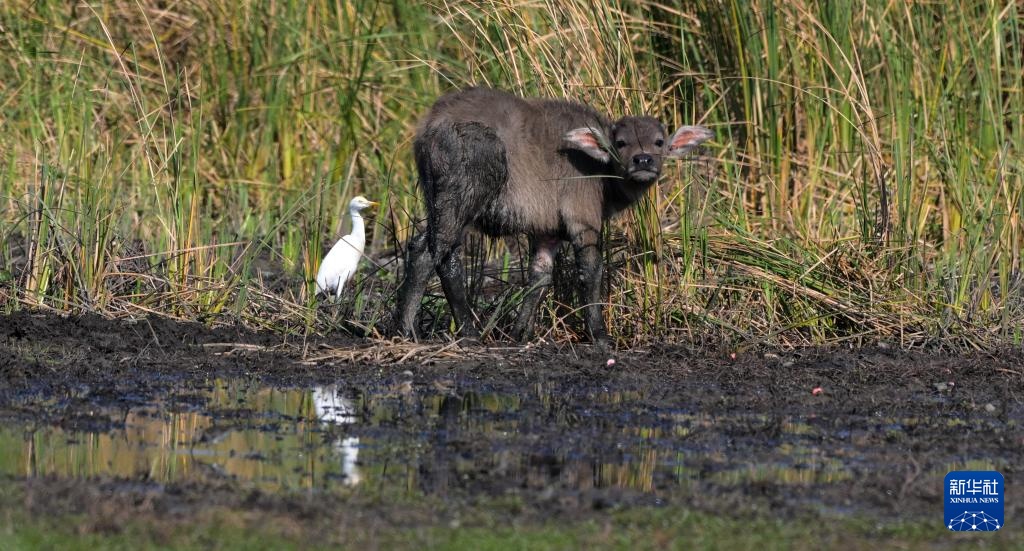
(195, 160)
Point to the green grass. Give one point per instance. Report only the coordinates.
(642, 528)
(195, 160)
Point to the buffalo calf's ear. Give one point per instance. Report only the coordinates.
(590, 141)
(687, 138)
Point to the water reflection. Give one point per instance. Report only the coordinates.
(333, 409)
(429, 440)
(270, 438)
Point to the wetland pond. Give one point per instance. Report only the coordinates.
(334, 439)
(559, 433)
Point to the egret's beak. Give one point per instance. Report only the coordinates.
(374, 204)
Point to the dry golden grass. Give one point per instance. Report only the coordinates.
(193, 159)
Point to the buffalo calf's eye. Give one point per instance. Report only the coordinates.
(620, 143)
(659, 143)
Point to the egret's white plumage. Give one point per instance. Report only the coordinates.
(341, 261)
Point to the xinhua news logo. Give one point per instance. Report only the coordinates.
(974, 501)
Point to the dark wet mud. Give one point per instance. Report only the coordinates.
(155, 415)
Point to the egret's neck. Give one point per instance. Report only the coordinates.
(358, 228)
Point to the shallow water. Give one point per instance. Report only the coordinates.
(436, 439)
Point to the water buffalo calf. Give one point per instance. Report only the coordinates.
(554, 170)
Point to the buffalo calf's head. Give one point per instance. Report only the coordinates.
(636, 146)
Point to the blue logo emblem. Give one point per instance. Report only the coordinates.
(974, 501)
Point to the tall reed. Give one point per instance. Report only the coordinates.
(194, 160)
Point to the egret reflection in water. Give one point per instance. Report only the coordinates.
(434, 443)
(333, 409)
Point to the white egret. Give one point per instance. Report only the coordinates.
(341, 261)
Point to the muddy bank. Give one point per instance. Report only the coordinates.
(163, 418)
(40, 351)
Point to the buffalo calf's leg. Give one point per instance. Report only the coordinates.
(586, 243)
(542, 261)
(418, 265)
(453, 281)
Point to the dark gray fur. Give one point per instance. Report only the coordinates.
(550, 169)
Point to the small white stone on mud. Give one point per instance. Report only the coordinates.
(770, 356)
(610, 362)
(990, 408)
